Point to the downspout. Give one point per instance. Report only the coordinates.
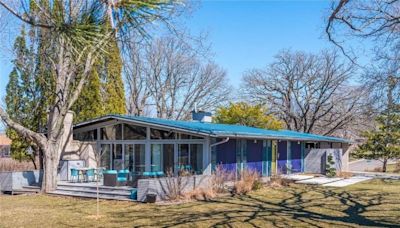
(220, 142)
(216, 144)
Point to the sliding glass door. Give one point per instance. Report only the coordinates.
(119, 156)
(105, 156)
(190, 157)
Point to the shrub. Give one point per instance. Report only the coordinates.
(249, 180)
(173, 187)
(330, 169)
(218, 179)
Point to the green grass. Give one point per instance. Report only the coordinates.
(373, 203)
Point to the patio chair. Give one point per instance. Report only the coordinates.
(74, 175)
(122, 178)
(110, 177)
(90, 175)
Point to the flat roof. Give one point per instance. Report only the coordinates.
(218, 130)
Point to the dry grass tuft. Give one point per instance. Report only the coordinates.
(219, 179)
(200, 194)
(277, 181)
(249, 181)
(344, 175)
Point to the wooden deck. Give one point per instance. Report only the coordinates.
(89, 190)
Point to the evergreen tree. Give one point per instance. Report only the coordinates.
(113, 87)
(104, 93)
(90, 104)
(19, 95)
(384, 142)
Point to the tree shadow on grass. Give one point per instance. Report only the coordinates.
(308, 206)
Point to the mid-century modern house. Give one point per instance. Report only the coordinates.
(142, 144)
(133, 150)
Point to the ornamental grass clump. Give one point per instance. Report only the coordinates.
(249, 181)
(219, 179)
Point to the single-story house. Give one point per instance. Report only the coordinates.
(143, 144)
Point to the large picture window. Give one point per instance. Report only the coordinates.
(162, 158)
(161, 134)
(86, 136)
(132, 132)
(105, 156)
(113, 132)
(134, 159)
(190, 157)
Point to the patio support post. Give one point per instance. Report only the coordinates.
(207, 157)
(302, 156)
(176, 159)
(288, 157)
(147, 148)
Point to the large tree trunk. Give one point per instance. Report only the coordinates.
(50, 171)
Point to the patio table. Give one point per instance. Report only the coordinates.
(83, 171)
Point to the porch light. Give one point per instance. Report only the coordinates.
(255, 140)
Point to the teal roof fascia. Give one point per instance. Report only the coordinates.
(227, 130)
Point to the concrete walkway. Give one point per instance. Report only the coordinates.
(319, 180)
(326, 181)
(348, 181)
(297, 177)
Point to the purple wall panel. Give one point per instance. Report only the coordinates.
(296, 157)
(256, 166)
(254, 151)
(282, 157)
(254, 155)
(226, 152)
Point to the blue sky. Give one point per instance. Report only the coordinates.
(247, 34)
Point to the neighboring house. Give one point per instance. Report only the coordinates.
(142, 144)
(5, 145)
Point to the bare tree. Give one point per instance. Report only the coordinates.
(78, 40)
(171, 76)
(378, 21)
(138, 91)
(309, 92)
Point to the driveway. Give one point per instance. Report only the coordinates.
(367, 165)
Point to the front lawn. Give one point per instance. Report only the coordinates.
(373, 203)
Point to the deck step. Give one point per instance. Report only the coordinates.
(101, 191)
(89, 190)
(93, 186)
(90, 195)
